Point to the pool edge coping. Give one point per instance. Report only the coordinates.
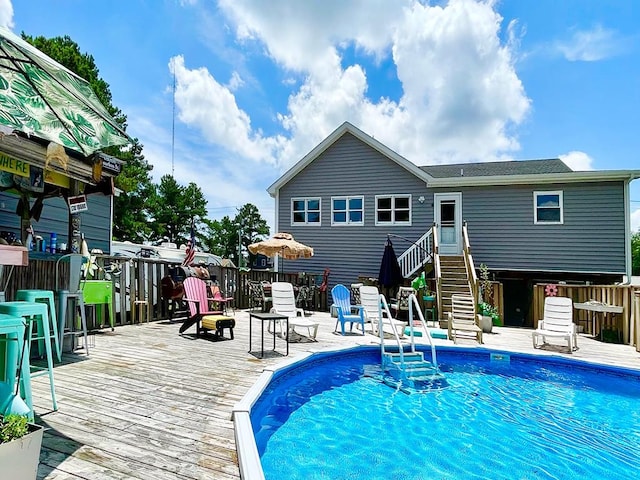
(247, 450)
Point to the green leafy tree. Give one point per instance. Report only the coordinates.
(174, 208)
(635, 253)
(222, 237)
(252, 226)
(131, 206)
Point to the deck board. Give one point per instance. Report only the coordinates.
(150, 404)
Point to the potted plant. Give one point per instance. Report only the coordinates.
(20, 443)
(489, 315)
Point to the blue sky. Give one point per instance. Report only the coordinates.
(259, 84)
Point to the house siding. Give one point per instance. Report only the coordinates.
(350, 167)
(95, 222)
(500, 219)
(503, 235)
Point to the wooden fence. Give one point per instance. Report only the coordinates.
(139, 279)
(625, 296)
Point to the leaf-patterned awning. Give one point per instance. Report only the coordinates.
(40, 97)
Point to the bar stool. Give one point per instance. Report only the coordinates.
(12, 356)
(44, 296)
(34, 312)
(72, 293)
(430, 309)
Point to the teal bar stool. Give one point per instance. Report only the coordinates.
(430, 309)
(45, 296)
(34, 312)
(12, 345)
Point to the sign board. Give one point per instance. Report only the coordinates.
(78, 204)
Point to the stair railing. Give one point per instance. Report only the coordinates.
(437, 269)
(383, 309)
(472, 277)
(417, 255)
(415, 305)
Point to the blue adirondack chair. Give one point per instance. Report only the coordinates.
(342, 302)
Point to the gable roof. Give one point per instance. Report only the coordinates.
(473, 174)
(343, 129)
(520, 167)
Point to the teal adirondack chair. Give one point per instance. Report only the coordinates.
(342, 302)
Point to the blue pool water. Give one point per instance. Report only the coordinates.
(513, 417)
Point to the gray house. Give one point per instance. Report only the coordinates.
(528, 221)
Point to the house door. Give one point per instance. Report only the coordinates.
(448, 217)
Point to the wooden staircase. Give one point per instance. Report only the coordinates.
(453, 279)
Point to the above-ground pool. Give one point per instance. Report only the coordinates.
(502, 416)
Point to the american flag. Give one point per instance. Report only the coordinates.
(190, 253)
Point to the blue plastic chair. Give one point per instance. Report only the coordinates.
(342, 302)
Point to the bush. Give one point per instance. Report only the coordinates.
(13, 426)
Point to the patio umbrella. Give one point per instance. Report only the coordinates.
(283, 245)
(390, 274)
(40, 97)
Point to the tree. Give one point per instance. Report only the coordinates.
(247, 226)
(175, 208)
(130, 207)
(635, 253)
(252, 226)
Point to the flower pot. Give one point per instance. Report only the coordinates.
(486, 323)
(19, 458)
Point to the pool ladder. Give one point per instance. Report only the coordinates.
(403, 366)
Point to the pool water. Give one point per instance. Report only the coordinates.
(513, 417)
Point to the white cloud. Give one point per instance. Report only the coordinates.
(6, 14)
(461, 95)
(578, 161)
(635, 220)
(590, 45)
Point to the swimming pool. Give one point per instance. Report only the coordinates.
(511, 416)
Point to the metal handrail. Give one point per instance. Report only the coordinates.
(383, 307)
(413, 302)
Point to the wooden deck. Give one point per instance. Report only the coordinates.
(150, 404)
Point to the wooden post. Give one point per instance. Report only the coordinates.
(75, 234)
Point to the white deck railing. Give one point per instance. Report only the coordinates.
(417, 255)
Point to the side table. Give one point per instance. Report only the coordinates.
(267, 318)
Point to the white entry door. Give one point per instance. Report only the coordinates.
(448, 217)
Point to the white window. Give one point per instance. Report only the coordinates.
(305, 211)
(393, 210)
(347, 210)
(547, 208)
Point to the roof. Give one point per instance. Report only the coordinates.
(473, 174)
(517, 167)
(343, 129)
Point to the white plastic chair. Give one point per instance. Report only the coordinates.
(284, 303)
(370, 301)
(557, 322)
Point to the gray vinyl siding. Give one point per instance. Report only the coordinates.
(351, 168)
(96, 222)
(503, 235)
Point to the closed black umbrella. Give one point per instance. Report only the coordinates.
(390, 274)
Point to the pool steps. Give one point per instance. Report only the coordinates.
(403, 366)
